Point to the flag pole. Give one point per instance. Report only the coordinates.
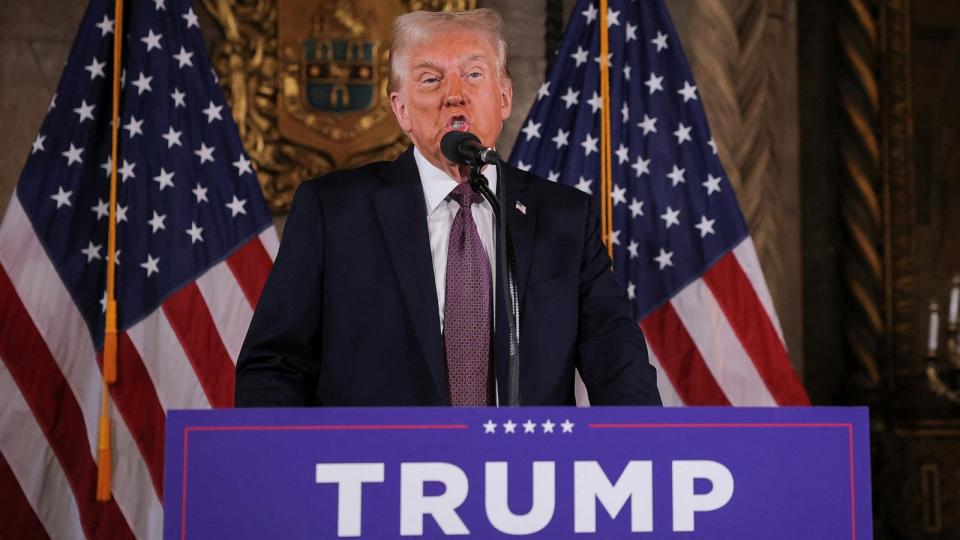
(606, 164)
(110, 331)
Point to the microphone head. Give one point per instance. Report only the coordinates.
(451, 142)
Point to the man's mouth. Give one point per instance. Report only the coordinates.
(458, 123)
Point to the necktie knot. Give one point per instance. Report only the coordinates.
(465, 195)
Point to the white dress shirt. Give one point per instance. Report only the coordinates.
(441, 210)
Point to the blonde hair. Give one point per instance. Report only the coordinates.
(414, 28)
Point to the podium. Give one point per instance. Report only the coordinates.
(608, 472)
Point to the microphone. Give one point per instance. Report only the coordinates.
(464, 147)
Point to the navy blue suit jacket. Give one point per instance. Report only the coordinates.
(349, 313)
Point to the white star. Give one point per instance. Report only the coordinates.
(152, 40)
(523, 166)
(664, 259)
(570, 98)
(631, 32)
(623, 154)
(631, 289)
(531, 130)
(642, 166)
(613, 18)
(127, 170)
(243, 165)
(547, 426)
(688, 91)
(609, 59)
(213, 112)
(712, 184)
(103, 302)
(590, 13)
(589, 145)
(72, 155)
(626, 71)
(529, 426)
(159, 5)
(143, 84)
(633, 248)
(200, 193)
(165, 179)
(196, 233)
(705, 226)
(584, 185)
(553, 176)
(178, 96)
(676, 175)
(191, 18)
(671, 217)
(595, 102)
(84, 111)
(102, 209)
(205, 153)
(490, 427)
(618, 195)
(660, 41)
(682, 133)
(38, 144)
(648, 125)
(615, 237)
(625, 112)
(184, 57)
(134, 126)
(151, 265)
(580, 56)
(236, 206)
(713, 145)
(654, 83)
(156, 222)
(121, 217)
(53, 103)
(95, 68)
(107, 166)
(62, 197)
(509, 427)
(92, 251)
(561, 139)
(105, 26)
(636, 208)
(567, 426)
(173, 137)
(544, 90)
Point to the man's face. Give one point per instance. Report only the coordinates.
(451, 82)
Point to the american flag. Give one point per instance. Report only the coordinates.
(195, 243)
(682, 250)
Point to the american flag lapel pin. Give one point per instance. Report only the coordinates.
(521, 208)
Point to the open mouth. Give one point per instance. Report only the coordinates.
(458, 123)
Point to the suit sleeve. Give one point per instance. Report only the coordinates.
(612, 353)
(279, 362)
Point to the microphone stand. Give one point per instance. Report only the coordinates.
(508, 270)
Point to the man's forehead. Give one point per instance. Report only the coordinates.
(427, 60)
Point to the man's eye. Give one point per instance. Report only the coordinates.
(475, 75)
(430, 80)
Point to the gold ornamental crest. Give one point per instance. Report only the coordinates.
(307, 80)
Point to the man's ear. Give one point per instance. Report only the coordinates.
(400, 111)
(506, 99)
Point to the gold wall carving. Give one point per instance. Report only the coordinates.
(262, 68)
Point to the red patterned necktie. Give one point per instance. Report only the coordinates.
(466, 308)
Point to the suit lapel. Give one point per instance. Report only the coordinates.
(401, 212)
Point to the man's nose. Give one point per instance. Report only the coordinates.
(454, 94)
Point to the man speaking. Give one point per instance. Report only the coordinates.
(384, 287)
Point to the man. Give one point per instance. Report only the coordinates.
(383, 288)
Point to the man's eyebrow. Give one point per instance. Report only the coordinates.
(428, 65)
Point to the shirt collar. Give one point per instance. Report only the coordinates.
(437, 184)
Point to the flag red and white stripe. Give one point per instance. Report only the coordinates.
(182, 355)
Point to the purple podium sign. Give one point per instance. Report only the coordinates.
(612, 472)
